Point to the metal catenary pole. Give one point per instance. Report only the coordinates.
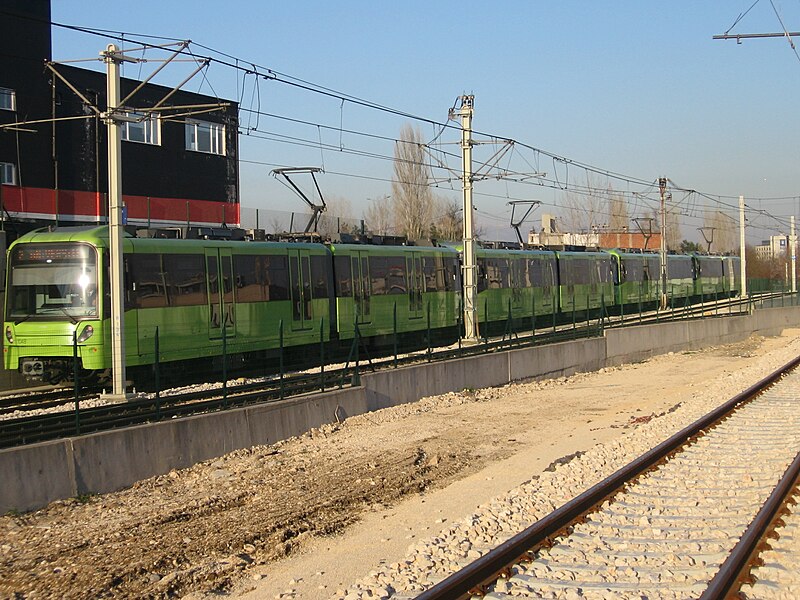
(742, 253)
(470, 275)
(662, 187)
(113, 59)
(793, 245)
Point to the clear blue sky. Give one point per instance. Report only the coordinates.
(633, 87)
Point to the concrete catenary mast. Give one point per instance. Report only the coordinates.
(469, 268)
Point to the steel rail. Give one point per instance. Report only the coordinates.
(485, 570)
(737, 566)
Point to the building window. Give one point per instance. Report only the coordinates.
(8, 99)
(145, 129)
(202, 136)
(8, 173)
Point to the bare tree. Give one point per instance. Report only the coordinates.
(338, 216)
(448, 222)
(412, 199)
(618, 209)
(584, 211)
(723, 229)
(673, 233)
(378, 216)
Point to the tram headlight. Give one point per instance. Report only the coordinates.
(87, 332)
(9, 334)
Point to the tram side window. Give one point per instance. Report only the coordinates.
(396, 275)
(450, 274)
(606, 271)
(498, 273)
(248, 274)
(483, 276)
(379, 271)
(319, 276)
(277, 274)
(634, 270)
(680, 268)
(712, 267)
(148, 286)
(535, 275)
(576, 271)
(186, 279)
(344, 276)
(519, 274)
(433, 275)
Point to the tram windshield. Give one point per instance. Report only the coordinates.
(52, 282)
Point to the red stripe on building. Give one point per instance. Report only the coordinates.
(90, 207)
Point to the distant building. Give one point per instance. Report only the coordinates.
(552, 237)
(775, 247)
(181, 171)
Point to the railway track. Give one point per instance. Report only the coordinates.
(684, 520)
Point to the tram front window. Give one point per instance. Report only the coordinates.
(52, 282)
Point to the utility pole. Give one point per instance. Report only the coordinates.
(469, 269)
(662, 187)
(793, 244)
(742, 254)
(119, 110)
(113, 58)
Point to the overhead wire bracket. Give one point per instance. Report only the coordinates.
(532, 204)
(316, 209)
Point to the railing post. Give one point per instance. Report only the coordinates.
(587, 309)
(280, 355)
(321, 354)
(356, 374)
(602, 309)
(75, 381)
(394, 332)
(553, 310)
(157, 367)
(224, 365)
(533, 316)
(430, 349)
(486, 319)
(640, 301)
(573, 308)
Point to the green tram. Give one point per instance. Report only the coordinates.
(636, 278)
(732, 275)
(586, 282)
(396, 293)
(680, 278)
(260, 302)
(196, 295)
(709, 276)
(521, 284)
(204, 299)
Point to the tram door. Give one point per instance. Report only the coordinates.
(300, 284)
(221, 308)
(416, 284)
(362, 287)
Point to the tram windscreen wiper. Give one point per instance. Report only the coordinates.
(23, 319)
(71, 317)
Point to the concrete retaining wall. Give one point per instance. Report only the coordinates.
(34, 475)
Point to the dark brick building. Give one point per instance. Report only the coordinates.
(176, 171)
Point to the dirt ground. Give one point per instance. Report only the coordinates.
(306, 517)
